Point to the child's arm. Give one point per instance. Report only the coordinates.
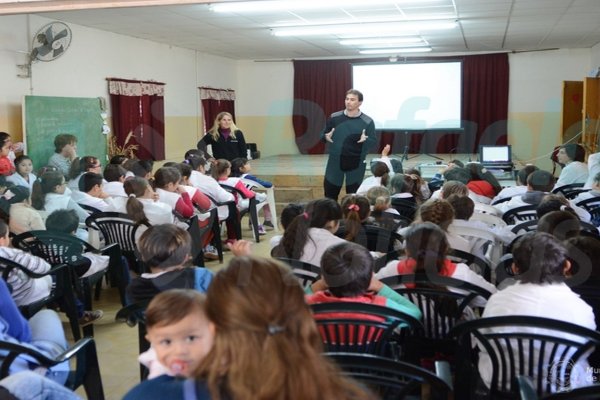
(257, 180)
(31, 262)
(394, 300)
(242, 188)
(184, 205)
(201, 200)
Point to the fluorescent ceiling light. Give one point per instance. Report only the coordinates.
(357, 28)
(294, 5)
(397, 50)
(380, 40)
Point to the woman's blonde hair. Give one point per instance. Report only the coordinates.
(267, 346)
(214, 131)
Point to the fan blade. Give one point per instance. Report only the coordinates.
(58, 51)
(60, 35)
(49, 36)
(43, 50)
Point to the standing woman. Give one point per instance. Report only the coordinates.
(226, 139)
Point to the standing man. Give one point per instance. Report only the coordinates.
(350, 134)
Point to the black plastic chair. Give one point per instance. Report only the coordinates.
(61, 294)
(477, 264)
(63, 248)
(527, 392)
(501, 200)
(86, 373)
(592, 206)
(392, 380)
(374, 238)
(406, 208)
(306, 273)
(252, 210)
(363, 328)
(132, 315)
(118, 228)
(431, 293)
(541, 348)
(569, 191)
(520, 214)
(89, 209)
(233, 217)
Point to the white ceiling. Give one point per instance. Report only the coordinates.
(484, 26)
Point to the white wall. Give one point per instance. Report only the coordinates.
(535, 100)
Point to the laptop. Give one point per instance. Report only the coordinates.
(495, 156)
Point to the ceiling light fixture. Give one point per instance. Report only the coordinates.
(369, 28)
(397, 50)
(381, 40)
(295, 5)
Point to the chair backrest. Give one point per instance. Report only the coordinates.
(566, 190)
(53, 246)
(89, 209)
(443, 301)
(546, 350)
(306, 273)
(374, 238)
(87, 369)
(519, 214)
(116, 228)
(592, 205)
(391, 379)
(359, 327)
(486, 209)
(476, 263)
(490, 220)
(406, 208)
(525, 226)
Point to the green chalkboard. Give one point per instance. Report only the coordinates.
(46, 116)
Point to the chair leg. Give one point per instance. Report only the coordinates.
(254, 219)
(70, 308)
(92, 381)
(216, 229)
(87, 305)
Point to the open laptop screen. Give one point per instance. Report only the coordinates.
(495, 154)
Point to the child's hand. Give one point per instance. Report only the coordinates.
(180, 189)
(386, 150)
(375, 285)
(319, 285)
(240, 248)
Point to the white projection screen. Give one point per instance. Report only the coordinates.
(411, 96)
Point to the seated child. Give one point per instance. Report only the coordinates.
(114, 174)
(91, 193)
(240, 168)
(65, 151)
(25, 290)
(348, 276)
(165, 250)
(22, 217)
(426, 251)
(179, 333)
(288, 214)
(23, 175)
(7, 167)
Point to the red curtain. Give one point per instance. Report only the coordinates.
(319, 88)
(485, 99)
(138, 108)
(215, 101)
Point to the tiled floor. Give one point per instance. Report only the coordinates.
(117, 343)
